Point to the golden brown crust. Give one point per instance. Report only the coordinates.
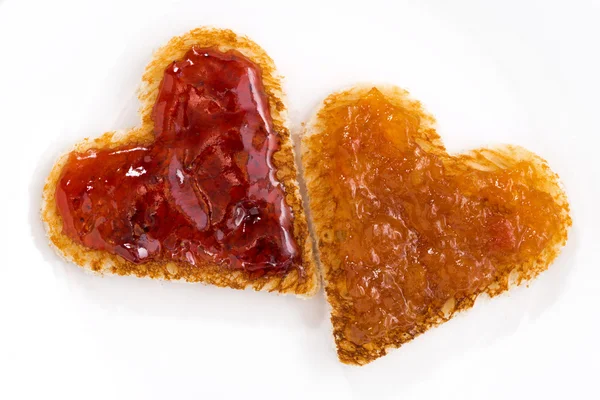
(322, 211)
(102, 262)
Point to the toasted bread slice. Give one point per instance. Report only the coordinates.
(332, 182)
(300, 281)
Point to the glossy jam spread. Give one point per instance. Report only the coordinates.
(204, 191)
(411, 226)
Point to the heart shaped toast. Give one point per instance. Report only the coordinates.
(408, 234)
(204, 191)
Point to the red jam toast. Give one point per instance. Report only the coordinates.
(204, 191)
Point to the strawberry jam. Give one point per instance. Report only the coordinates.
(205, 191)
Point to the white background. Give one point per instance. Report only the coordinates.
(522, 72)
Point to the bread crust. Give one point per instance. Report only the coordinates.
(101, 262)
(322, 215)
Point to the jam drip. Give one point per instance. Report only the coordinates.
(205, 191)
(413, 226)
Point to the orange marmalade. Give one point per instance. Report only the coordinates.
(405, 229)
